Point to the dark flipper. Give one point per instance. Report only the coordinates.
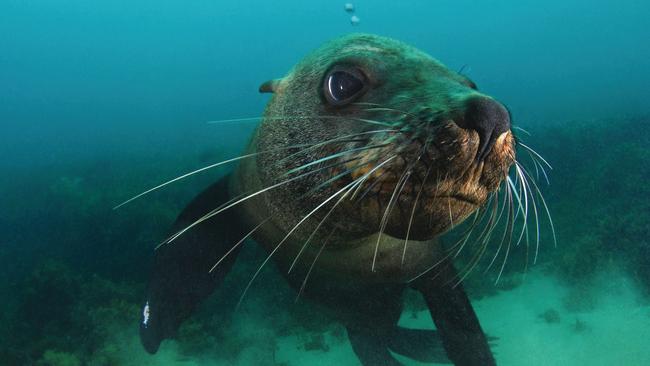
(181, 276)
(452, 312)
(422, 345)
(371, 348)
(377, 312)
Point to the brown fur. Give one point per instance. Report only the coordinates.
(428, 98)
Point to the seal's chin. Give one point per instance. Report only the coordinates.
(423, 212)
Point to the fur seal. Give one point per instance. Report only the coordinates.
(368, 150)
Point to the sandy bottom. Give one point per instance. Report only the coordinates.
(613, 330)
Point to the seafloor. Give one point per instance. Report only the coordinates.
(76, 269)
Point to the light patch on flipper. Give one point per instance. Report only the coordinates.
(150, 330)
(145, 315)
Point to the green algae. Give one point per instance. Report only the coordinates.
(55, 358)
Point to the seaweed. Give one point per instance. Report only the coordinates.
(62, 317)
(55, 358)
(550, 316)
(598, 196)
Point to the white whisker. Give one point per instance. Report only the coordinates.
(277, 247)
(239, 243)
(415, 204)
(536, 154)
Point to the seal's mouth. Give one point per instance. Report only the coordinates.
(430, 178)
(463, 198)
(443, 168)
(428, 193)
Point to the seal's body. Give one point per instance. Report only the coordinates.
(369, 150)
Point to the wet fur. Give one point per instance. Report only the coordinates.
(349, 203)
(425, 96)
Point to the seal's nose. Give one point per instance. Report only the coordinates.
(487, 117)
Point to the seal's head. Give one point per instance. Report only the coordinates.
(390, 136)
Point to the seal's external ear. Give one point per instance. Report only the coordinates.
(270, 86)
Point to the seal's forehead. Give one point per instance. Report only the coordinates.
(366, 44)
(379, 52)
(378, 57)
(372, 49)
(363, 48)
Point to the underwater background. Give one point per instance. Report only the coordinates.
(100, 100)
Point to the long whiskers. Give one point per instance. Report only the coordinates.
(399, 187)
(306, 148)
(346, 188)
(384, 221)
(313, 263)
(522, 197)
(415, 204)
(284, 117)
(235, 202)
(239, 243)
(185, 176)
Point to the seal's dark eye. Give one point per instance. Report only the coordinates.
(343, 86)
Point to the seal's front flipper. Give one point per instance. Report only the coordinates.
(181, 276)
(377, 310)
(452, 312)
(371, 347)
(422, 345)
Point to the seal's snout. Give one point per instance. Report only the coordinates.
(487, 117)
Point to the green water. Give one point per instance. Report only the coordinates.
(101, 100)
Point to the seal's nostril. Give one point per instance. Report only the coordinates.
(487, 117)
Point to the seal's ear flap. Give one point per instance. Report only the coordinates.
(270, 86)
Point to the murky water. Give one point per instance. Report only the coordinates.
(102, 100)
